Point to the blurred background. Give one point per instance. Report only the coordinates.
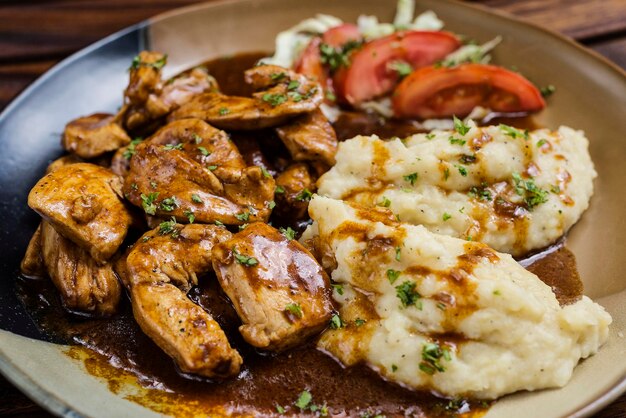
(36, 34)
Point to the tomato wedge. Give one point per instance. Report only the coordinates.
(440, 92)
(369, 74)
(310, 62)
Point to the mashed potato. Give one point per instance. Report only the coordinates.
(512, 190)
(434, 312)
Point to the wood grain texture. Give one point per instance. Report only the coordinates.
(36, 34)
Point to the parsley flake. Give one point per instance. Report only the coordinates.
(204, 151)
(338, 288)
(392, 275)
(529, 191)
(408, 295)
(398, 253)
(336, 322)
(295, 309)
(446, 216)
(130, 150)
(304, 196)
(244, 260)
(460, 127)
(223, 111)
(170, 147)
(147, 202)
(385, 202)
(402, 68)
(274, 99)
(411, 178)
(512, 132)
(169, 204)
(289, 233)
(196, 198)
(304, 400)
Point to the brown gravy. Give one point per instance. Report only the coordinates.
(126, 355)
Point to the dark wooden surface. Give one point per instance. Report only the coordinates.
(36, 34)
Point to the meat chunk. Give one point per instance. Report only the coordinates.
(204, 177)
(310, 137)
(174, 253)
(184, 331)
(285, 94)
(85, 286)
(294, 187)
(63, 161)
(32, 264)
(148, 99)
(82, 201)
(159, 269)
(278, 289)
(93, 135)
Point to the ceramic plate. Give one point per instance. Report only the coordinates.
(591, 95)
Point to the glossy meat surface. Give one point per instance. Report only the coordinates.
(82, 201)
(84, 285)
(159, 269)
(183, 330)
(93, 135)
(294, 185)
(32, 264)
(283, 95)
(278, 289)
(310, 137)
(189, 167)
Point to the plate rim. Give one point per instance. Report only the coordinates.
(58, 406)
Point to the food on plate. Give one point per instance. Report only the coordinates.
(435, 92)
(83, 202)
(278, 289)
(513, 190)
(161, 267)
(440, 313)
(193, 196)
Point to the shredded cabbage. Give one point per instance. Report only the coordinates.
(471, 53)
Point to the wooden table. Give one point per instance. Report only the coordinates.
(36, 34)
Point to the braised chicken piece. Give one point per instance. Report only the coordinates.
(159, 270)
(284, 94)
(93, 135)
(294, 188)
(62, 162)
(120, 163)
(277, 288)
(32, 264)
(148, 98)
(82, 201)
(84, 285)
(189, 169)
(310, 137)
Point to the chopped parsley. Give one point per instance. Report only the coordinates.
(359, 322)
(130, 150)
(337, 57)
(204, 151)
(277, 76)
(158, 64)
(430, 136)
(336, 322)
(385, 202)
(398, 253)
(411, 178)
(480, 192)
(168, 227)
(274, 99)
(195, 198)
(197, 139)
(432, 353)
(147, 202)
(512, 132)
(218, 223)
(293, 84)
(212, 167)
(555, 189)
(304, 400)
(304, 196)
(190, 216)
(548, 90)
(446, 216)
(454, 140)
(392, 275)
(331, 96)
(402, 68)
(394, 368)
(467, 159)
(408, 295)
(462, 170)
(446, 173)
(295, 309)
(541, 143)
(266, 173)
(460, 127)
(223, 111)
(170, 147)
(169, 204)
(279, 189)
(280, 409)
(529, 191)
(271, 204)
(338, 288)
(244, 216)
(288, 233)
(244, 260)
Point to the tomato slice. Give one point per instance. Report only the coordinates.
(369, 74)
(440, 92)
(310, 62)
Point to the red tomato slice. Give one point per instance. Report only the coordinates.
(369, 75)
(310, 62)
(440, 92)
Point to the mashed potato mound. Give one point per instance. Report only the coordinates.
(512, 190)
(439, 313)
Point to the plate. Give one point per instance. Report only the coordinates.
(591, 95)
